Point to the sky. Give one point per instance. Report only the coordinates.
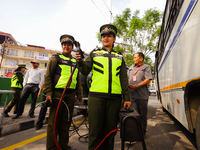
(42, 22)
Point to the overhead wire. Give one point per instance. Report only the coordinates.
(109, 10)
(107, 7)
(99, 10)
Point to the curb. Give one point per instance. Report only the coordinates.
(13, 128)
(9, 129)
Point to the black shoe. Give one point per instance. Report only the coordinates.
(32, 116)
(16, 116)
(6, 114)
(38, 127)
(69, 148)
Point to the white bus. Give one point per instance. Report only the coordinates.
(177, 63)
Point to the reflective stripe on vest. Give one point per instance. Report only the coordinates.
(105, 72)
(15, 82)
(63, 72)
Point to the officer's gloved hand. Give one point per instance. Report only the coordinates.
(46, 103)
(77, 44)
(78, 49)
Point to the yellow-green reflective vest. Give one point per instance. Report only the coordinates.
(106, 73)
(63, 72)
(15, 82)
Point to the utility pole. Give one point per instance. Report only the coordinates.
(110, 11)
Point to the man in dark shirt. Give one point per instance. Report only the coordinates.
(139, 76)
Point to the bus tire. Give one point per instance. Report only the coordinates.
(163, 109)
(198, 129)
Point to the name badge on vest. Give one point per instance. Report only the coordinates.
(134, 78)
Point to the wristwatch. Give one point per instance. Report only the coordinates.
(136, 86)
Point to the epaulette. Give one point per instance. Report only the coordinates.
(56, 54)
(97, 48)
(17, 72)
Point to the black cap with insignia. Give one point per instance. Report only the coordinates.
(108, 29)
(67, 39)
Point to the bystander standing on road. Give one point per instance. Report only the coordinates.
(33, 80)
(109, 83)
(57, 75)
(139, 76)
(43, 110)
(17, 86)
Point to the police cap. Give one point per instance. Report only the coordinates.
(22, 65)
(108, 29)
(67, 39)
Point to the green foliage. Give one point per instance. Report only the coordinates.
(129, 59)
(148, 61)
(99, 37)
(119, 49)
(138, 34)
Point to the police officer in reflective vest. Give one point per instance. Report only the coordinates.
(58, 72)
(16, 85)
(109, 84)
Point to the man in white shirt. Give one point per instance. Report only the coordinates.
(33, 80)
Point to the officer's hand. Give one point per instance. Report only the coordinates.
(79, 100)
(78, 57)
(49, 98)
(127, 103)
(131, 86)
(38, 96)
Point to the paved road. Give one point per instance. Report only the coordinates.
(163, 133)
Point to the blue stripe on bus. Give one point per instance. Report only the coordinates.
(179, 30)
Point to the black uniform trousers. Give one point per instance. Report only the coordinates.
(103, 118)
(28, 89)
(140, 106)
(63, 123)
(42, 114)
(15, 101)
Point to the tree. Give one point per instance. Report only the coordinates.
(141, 34)
(138, 34)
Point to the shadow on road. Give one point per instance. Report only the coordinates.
(165, 132)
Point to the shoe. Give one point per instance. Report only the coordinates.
(6, 114)
(16, 116)
(144, 135)
(131, 143)
(32, 116)
(69, 148)
(38, 127)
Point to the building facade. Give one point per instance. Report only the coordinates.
(11, 54)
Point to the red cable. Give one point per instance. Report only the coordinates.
(115, 130)
(55, 119)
